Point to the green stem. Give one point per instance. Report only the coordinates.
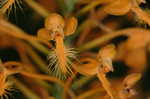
(109, 36)
(27, 92)
(38, 8)
(80, 82)
(13, 30)
(92, 5)
(37, 59)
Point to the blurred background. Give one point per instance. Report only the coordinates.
(29, 20)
